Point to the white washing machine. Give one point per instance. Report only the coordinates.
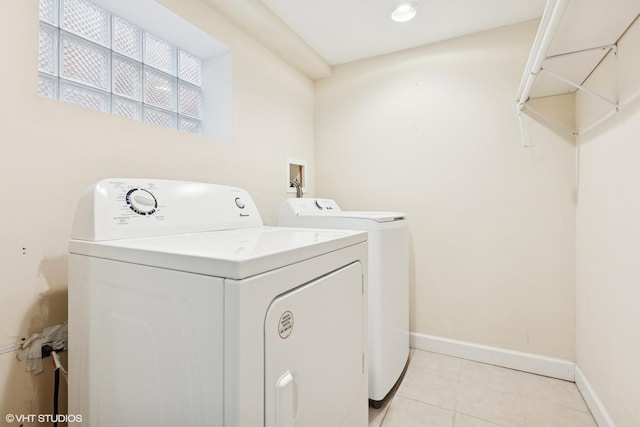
(184, 310)
(388, 281)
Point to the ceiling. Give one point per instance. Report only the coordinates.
(347, 30)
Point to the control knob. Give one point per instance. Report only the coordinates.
(141, 201)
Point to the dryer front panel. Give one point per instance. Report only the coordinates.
(145, 345)
(314, 353)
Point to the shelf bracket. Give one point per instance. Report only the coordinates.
(547, 119)
(580, 86)
(605, 47)
(522, 135)
(524, 104)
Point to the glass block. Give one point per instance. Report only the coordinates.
(160, 89)
(126, 108)
(189, 125)
(160, 117)
(48, 49)
(190, 100)
(127, 77)
(159, 54)
(127, 38)
(84, 96)
(47, 86)
(84, 62)
(189, 68)
(86, 20)
(49, 11)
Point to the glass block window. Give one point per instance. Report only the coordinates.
(90, 57)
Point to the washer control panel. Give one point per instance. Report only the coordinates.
(326, 205)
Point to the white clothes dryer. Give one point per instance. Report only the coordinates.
(388, 281)
(184, 310)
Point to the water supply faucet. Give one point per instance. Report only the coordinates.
(294, 182)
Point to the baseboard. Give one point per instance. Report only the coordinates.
(541, 365)
(599, 412)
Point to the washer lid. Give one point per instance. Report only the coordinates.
(234, 254)
(370, 215)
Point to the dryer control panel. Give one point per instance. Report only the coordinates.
(121, 208)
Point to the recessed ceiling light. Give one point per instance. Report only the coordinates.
(404, 12)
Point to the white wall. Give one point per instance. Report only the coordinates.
(51, 151)
(433, 132)
(430, 131)
(608, 239)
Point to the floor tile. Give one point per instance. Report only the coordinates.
(499, 408)
(377, 415)
(495, 378)
(409, 413)
(440, 390)
(437, 364)
(429, 388)
(551, 390)
(549, 415)
(462, 420)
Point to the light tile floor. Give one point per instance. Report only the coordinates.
(444, 391)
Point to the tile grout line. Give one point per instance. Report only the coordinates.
(386, 411)
(458, 381)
